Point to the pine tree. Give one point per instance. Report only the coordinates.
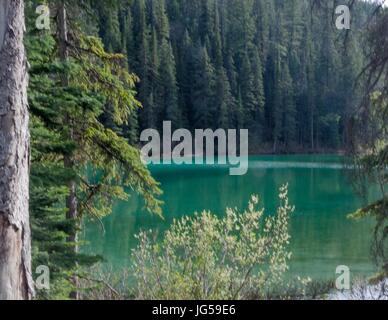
(109, 26)
(184, 70)
(72, 82)
(224, 101)
(203, 90)
(289, 109)
(242, 39)
(168, 93)
(258, 90)
(140, 61)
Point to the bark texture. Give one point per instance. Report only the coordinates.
(71, 200)
(15, 241)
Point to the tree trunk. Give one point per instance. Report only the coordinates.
(15, 241)
(71, 201)
(68, 161)
(312, 144)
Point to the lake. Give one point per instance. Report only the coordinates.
(319, 187)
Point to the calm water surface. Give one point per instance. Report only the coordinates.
(320, 188)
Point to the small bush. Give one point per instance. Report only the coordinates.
(102, 282)
(205, 257)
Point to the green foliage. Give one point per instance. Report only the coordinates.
(50, 228)
(239, 256)
(372, 161)
(69, 99)
(96, 79)
(276, 68)
(268, 66)
(370, 142)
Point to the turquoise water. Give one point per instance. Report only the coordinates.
(319, 187)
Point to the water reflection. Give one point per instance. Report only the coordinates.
(322, 236)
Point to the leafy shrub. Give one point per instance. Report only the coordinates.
(103, 282)
(205, 257)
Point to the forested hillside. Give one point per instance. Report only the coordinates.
(80, 80)
(278, 68)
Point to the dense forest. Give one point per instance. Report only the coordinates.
(278, 68)
(106, 70)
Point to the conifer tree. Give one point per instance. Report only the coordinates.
(203, 90)
(242, 39)
(73, 79)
